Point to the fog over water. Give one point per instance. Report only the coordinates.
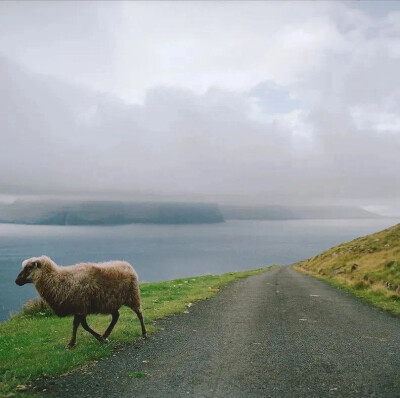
(245, 102)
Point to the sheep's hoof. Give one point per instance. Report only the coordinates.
(69, 346)
(145, 337)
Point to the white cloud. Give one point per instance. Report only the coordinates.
(281, 100)
(370, 118)
(130, 47)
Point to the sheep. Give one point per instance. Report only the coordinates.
(82, 289)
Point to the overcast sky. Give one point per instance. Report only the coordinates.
(253, 102)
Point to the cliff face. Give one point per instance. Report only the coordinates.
(108, 213)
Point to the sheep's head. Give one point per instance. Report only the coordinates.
(32, 268)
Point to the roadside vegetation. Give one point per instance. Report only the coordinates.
(32, 343)
(368, 267)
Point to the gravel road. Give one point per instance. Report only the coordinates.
(279, 334)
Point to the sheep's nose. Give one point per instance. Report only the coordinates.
(19, 282)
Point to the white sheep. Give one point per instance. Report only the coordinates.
(82, 289)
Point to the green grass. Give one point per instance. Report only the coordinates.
(363, 291)
(368, 267)
(32, 343)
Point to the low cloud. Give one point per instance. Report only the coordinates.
(316, 121)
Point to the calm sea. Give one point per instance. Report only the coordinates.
(160, 252)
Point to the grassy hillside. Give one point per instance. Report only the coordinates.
(32, 343)
(369, 267)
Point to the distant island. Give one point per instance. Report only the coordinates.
(269, 212)
(108, 213)
(59, 212)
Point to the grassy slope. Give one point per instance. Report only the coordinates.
(33, 345)
(368, 267)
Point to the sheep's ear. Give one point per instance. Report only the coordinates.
(37, 264)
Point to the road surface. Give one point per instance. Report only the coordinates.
(279, 334)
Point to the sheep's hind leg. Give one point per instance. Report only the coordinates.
(115, 316)
(75, 326)
(90, 330)
(140, 316)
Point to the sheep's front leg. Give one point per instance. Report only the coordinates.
(90, 330)
(75, 326)
(115, 316)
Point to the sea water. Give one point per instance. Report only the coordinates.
(161, 252)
